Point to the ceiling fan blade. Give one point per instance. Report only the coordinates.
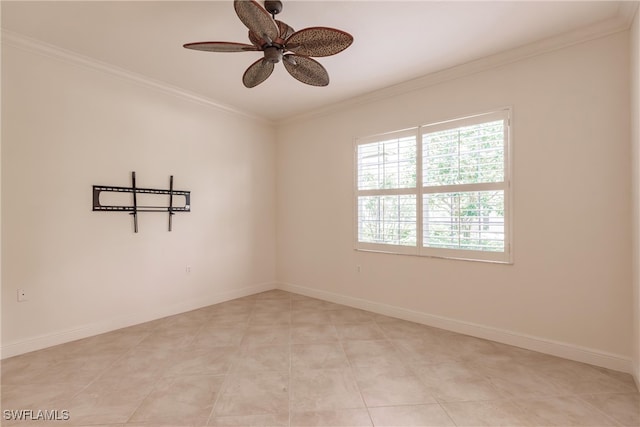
(318, 41)
(257, 20)
(255, 40)
(306, 70)
(220, 46)
(257, 73)
(285, 30)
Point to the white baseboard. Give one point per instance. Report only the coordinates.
(542, 345)
(43, 341)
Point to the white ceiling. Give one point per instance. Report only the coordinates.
(394, 41)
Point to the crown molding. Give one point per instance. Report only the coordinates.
(22, 42)
(621, 22)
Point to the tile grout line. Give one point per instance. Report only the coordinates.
(364, 402)
(227, 374)
(122, 356)
(412, 370)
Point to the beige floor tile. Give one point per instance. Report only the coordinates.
(110, 400)
(275, 317)
(140, 363)
(272, 305)
(125, 338)
(310, 317)
(402, 329)
(36, 396)
(580, 378)
(624, 407)
(257, 393)
(262, 358)
(27, 368)
(179, 325)
(324, 389)
(100, 425)
(487, 414)
(67, 371)
(497, 354)
(336, 418)
(468, 348)
(233, 307)
(178, 400)
(309, 333)
(465, 390)
(412, 415)
(457, 382)
(359, 331)
(350, 315)
(63, 363)
(215, 335)
(162, 424)
(523, 381)
(60, 422)
(318, 356)
(313, 304)
(159, 340)
(563, 411)
(256, 336)
(427, 350)
(371, 353)
(391, 385)
(234, 319)
(268, 420)
(208, 361)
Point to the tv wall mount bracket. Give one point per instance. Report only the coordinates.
(134, 209)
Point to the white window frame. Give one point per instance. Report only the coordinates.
(419, 191)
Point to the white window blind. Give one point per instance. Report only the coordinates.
(387, 164)
(386, 186)
(437, 190)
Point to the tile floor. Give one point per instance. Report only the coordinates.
(281, 359)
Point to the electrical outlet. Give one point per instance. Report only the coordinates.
(22, 295)
(188, 269)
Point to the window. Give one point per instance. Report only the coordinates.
(437, 190)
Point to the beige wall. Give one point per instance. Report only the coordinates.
(568, 290)
(635, 143)
(67, 127)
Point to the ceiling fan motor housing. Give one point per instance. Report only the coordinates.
(273, 54)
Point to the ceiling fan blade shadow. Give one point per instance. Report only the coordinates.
(318, 41)
(257, 72)
(306, 70)
(257, 20)
(220, 46)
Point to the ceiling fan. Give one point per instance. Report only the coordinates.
(275, 38)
